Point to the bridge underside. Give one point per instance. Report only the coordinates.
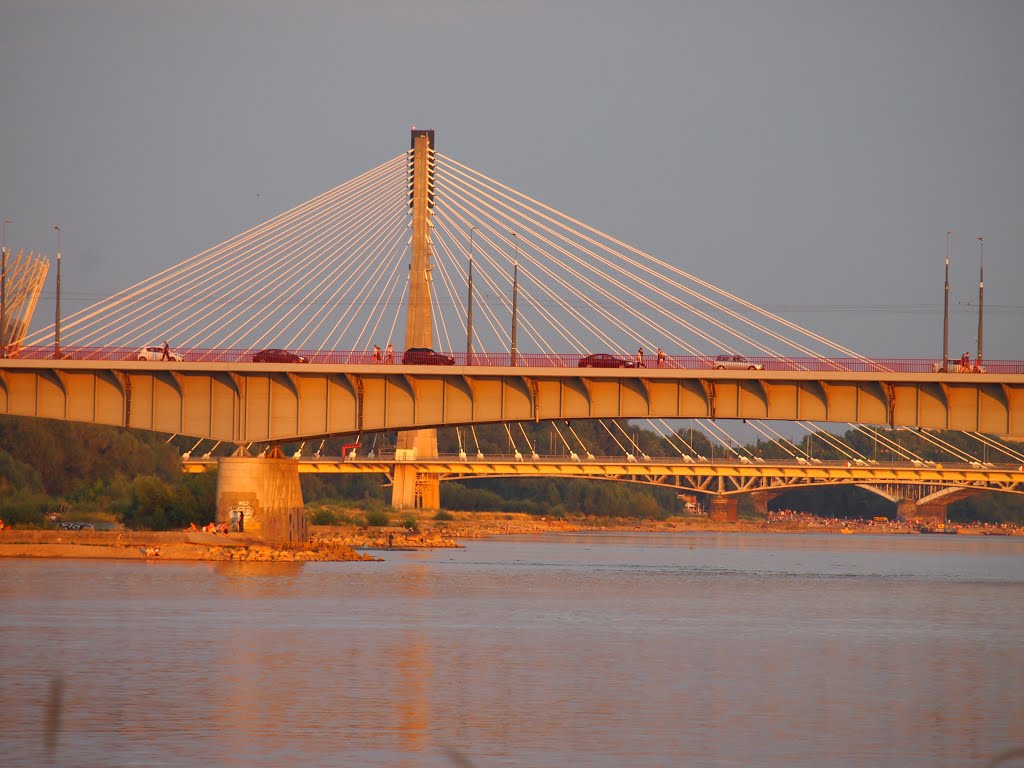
(263, 403)
(925, 484)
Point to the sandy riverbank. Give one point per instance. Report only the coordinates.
(345, 543)
(162, 545)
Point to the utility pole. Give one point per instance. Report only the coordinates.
(3, 291)
(515, 296)
(56, 325)
(945, 314)
(469, 313)
(981, 300)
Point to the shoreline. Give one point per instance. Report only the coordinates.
(358, 543)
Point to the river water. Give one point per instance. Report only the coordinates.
(565, 650)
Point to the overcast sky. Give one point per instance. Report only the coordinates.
(808, 156)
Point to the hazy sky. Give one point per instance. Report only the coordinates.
(808, 156)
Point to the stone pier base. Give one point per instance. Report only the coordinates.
(723, 509)
(266, 494)
(933, 512)
(412, 489)
(415, 490)
(761, 500)
(906, 509)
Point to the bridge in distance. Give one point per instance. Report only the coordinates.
(403, 246)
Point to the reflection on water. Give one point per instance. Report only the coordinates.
(583, 649)
(245, 568)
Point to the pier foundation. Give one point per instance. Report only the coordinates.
(266, 493)
(761, 500)
(723, 509)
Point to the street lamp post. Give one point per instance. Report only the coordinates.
(981, 299)
(515, 296)
(3, 291)
(945, 314)
(469, 312)
(56, 324)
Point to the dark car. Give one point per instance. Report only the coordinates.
(277, 356)
(604, 360)
(425, 356)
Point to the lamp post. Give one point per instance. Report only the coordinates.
(981, 299)
(3, 291)
(56, 324)
(515, 295)
(469, 312)
(945, 314)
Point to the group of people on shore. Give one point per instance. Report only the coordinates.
(792, 517)
(210, 528)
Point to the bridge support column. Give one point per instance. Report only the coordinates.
(934, 512)
(906, 509)
(266, 492)
(412, 489)
(761, 500)
(415, 490)
(723, 509)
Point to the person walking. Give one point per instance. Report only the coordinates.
(640, 358)
(391, 354)
(167, 352)
(661, 358)
(376, 354)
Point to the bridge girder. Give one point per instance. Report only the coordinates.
(727, 479)
(241, 403)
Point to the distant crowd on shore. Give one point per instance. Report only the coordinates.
(794, 518)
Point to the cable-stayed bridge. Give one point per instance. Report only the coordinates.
(424, 253)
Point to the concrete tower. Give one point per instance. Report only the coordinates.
(412, 489)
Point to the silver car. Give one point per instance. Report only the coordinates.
(735, 362)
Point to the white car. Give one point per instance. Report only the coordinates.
(157, 353)
(735, 362)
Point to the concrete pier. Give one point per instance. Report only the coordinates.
(266, 493)
(724, 509)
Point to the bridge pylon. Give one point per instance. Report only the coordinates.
(412, 489)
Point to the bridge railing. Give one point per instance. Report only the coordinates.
(534, 360)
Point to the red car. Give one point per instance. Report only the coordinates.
(604, 360)
(425, 356)
(277, 356)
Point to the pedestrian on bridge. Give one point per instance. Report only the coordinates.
(167, 352)
(640, 358)
(661, 358)
(391, 354)
(376, 354)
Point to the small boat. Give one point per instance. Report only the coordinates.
(940, 528)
